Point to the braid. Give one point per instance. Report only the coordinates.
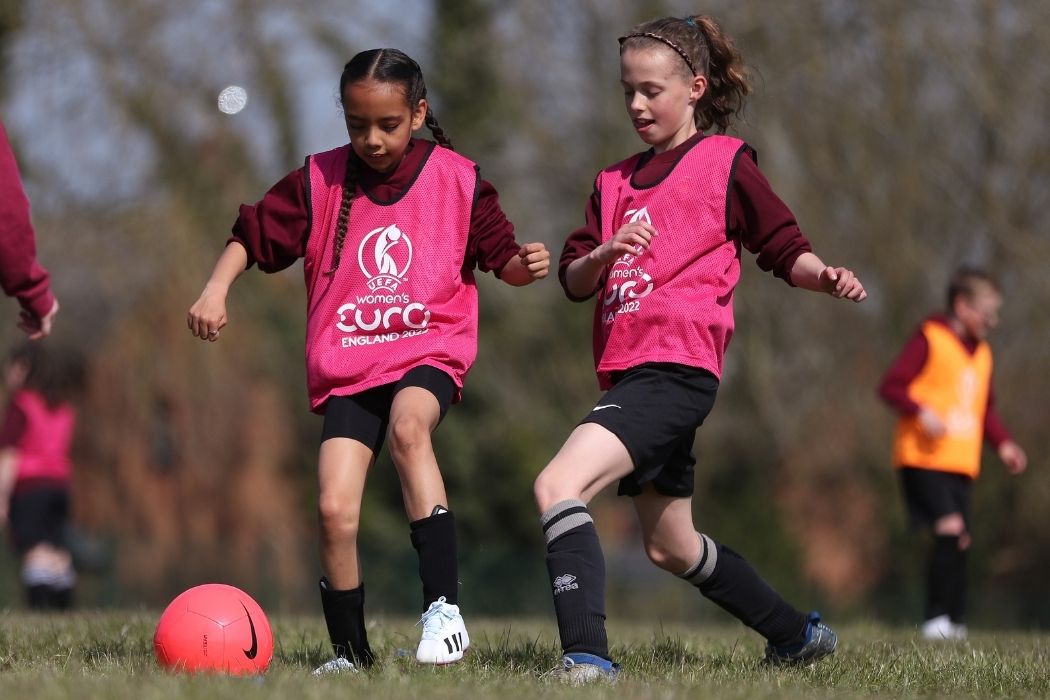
(435, 128)
(341, 224)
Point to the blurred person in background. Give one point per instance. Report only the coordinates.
(36, 469)
(940, 386)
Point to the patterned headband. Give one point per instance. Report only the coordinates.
(664, 40)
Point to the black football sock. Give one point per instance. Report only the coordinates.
(577, 574)
(344, 614)
(434, 539)
(725, 578)
(62, 587)
(61, 597)
(957, 607)
(946, 561)
(38, 597)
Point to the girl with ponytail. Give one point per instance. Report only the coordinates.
(661, 251)
(390, 228)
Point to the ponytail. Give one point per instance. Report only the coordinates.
(727, 80)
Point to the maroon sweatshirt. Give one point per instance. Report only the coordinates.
(757, 217)
(21, 276)
(912, 358)
(274, 230)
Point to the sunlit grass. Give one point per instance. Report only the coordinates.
(110, 655)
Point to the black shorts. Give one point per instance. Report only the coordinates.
(655, 409)
(39, 515)
(364, 417)
(930, 495)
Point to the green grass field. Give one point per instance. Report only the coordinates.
(110, 655)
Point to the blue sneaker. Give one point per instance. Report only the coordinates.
(580, 669)
(820, 641)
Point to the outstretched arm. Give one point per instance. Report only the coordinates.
(207, 316)
(810, 272)
(995, 432)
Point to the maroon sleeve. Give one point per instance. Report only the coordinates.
(761, 221)
(491, 243)
(995, 432)
(894, 387)
(13, 426)
(274, 230)
(21, 276)
(581, 242)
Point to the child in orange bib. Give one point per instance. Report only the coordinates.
(941, 387)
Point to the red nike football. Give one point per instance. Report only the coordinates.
(215, 628)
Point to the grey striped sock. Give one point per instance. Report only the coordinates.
(562, 517)
(576, 570)
(705, 564)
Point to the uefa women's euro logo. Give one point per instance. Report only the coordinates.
(631, 216)
(627, 284)
(384, 256)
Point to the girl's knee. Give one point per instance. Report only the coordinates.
(657, 554)
(541, 493)
(951, 525)
(549, 491)
(339, 520)
(407, 437)
(660, 556)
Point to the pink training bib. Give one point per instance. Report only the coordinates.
(43, 448)
(674, 302)
(401, 296)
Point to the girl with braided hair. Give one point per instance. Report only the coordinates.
(390, 228)
(661, 250)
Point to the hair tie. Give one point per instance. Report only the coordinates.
(664, 40)
(690, 21)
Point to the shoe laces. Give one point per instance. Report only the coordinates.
(334, 666)
(436, 617)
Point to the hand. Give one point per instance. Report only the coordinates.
(1013, 457)
(632, 239)
(536, 259)
(37, 328)
(207, 316)
(842, 284)
(931, 423)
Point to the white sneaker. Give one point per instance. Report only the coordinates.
(445, 637)
(335, 666)
(942, 627)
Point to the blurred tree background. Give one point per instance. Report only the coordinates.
(908, 137)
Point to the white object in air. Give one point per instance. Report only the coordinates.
(232, 99)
